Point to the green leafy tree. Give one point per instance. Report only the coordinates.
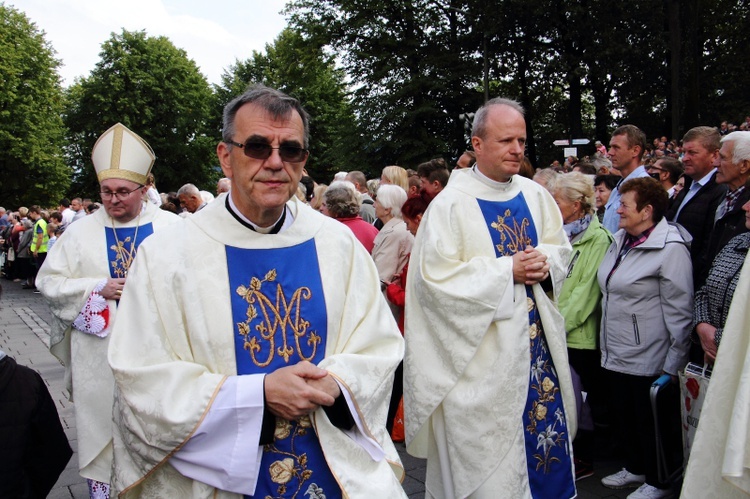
(578, 67)
(722, 83)
(415, 67)
(306, 72)
(153, 88)
(31, 130)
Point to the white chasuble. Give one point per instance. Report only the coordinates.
(176, 341)
(84, 255)
(719, 464)
(467, 370)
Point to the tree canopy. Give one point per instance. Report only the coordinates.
(153, 88)
(303, 70)
(31, 127)
(579, 67)
(385, 82)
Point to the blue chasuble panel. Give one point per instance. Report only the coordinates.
(548, 461)
(280, 319)
(122, 245)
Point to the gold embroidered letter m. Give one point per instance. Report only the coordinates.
(277, 321)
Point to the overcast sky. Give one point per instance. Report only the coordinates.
(213, 33)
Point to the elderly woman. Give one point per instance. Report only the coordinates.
(412, 212)
(713, 298)
(341, 201)
(647, 310)
(394, 241)
(580, 298)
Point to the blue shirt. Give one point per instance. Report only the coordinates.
(611, 220)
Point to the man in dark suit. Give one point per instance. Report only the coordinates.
(695, 206)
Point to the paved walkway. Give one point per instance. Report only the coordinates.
(24, 327)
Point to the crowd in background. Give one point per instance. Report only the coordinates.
(633, 307)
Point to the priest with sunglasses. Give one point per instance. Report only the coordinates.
(255, 358)
(83, 278)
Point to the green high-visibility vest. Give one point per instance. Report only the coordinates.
(45, 239)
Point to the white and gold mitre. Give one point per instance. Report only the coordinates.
(120, 153)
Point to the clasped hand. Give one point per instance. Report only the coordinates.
(530, 266)
(296, 391)
(113, 289)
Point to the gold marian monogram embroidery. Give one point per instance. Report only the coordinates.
(512, 239)
(277, 318)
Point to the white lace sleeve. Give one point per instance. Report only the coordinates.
(94, 318)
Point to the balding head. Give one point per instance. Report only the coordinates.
(190, 197)
(223, 185)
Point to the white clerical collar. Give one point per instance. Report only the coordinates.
(286, 216)
(489, 182)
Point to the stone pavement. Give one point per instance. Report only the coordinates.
(24, 326)
(24, 335)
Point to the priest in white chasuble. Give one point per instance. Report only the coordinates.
(488, 398)
(82, 280)
(255, 358)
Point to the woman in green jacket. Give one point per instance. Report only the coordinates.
(580, 297)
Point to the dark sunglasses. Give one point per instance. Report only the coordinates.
(261, 150)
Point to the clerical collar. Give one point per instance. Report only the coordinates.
(503, 186)
(281, 224)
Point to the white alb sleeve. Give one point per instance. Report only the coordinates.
(505, 307)
(358, 434)
(224, 452)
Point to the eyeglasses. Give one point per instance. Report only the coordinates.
(121, 195)
(261, 150)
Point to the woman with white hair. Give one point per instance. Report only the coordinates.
(580, 297)
(394, 241)
(341, 201)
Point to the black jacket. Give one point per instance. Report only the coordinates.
(730, 225)
(698, 218)
(33, 447)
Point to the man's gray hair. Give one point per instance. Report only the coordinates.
(479, 127)
(189, 190)
(278, 104)
(223, 185)
(741, 141)
(601, 161)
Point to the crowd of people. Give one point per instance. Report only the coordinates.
(674, 252)
(491, 315)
